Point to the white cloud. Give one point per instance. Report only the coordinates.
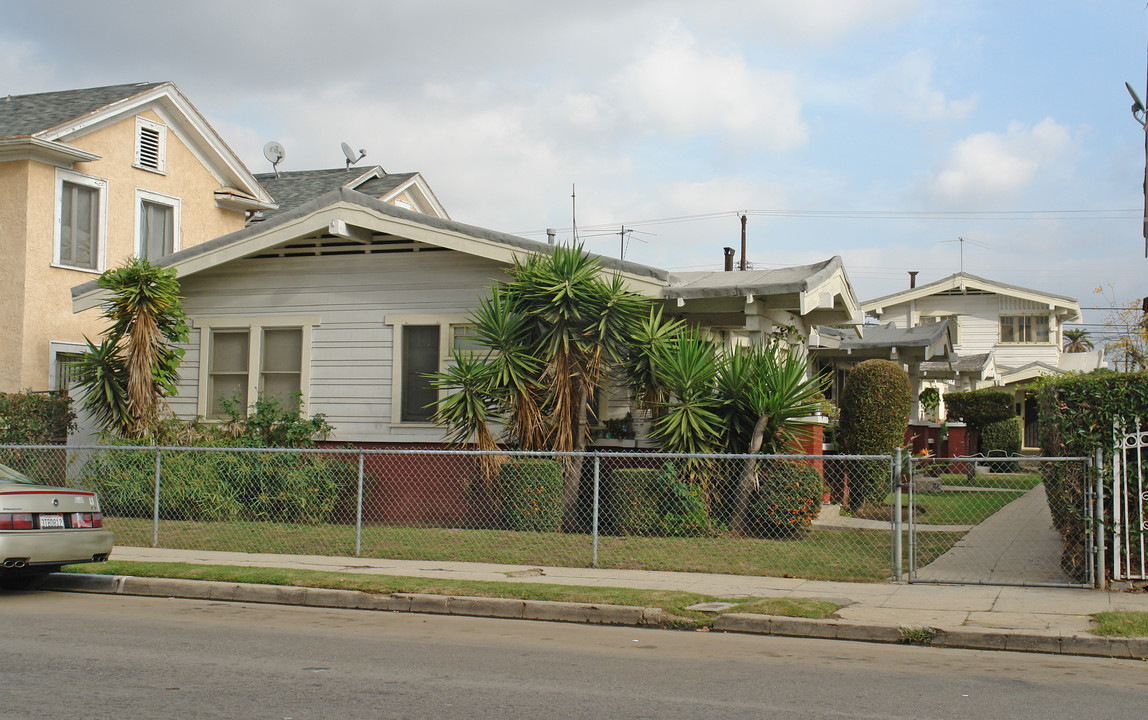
(684, 90)
(989, 167)
(906, 88)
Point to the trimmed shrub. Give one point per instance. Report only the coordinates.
(220, 486)
(654, 502)
(875, 406)
(978, 409)
(530, 494)
(28, 418)
(628, 506)
(787, 500)
(1002, 438)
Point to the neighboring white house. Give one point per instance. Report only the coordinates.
(351, 300)
(1002, 335)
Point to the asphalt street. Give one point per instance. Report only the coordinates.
(96, 656)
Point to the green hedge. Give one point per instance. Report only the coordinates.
(1076, 414)
(28, 418)
(530, 494)
(787, 500)
(213, 486)
(640, 501)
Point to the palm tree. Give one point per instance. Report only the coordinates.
(551, 331)
(125, 378)
(1076, 341)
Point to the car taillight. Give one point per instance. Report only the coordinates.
(5, 521)
(21, 521)
(87, 520)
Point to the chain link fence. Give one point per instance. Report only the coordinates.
(757, 515)
(1022, 520)
(999, 521)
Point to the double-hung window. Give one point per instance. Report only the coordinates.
(1024, 329)
(241, 363)
(81, 208)
(157, 225)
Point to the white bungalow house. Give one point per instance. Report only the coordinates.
(351, 299)
(1002, 335)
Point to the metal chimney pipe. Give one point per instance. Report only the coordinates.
(913, 278)
(550, 233)
(729, 252)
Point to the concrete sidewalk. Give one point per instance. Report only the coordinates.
(1042, 619)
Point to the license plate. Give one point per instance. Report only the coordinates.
(51, 521)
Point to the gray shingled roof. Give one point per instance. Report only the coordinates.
(757, 282)
(298, 187)
(962, 364)
(888, 335)
(27, 115)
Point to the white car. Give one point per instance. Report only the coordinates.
(43, 528)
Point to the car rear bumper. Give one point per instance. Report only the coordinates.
(34, 547)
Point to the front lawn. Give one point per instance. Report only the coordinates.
(823, 553)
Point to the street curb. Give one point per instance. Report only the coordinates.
(595, 614)
(587, 613)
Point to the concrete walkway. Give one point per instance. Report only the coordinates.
(996, 611)
(1017, 544)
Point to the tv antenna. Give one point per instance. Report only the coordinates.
(626, 235)
(274, 152)
(351, 159)
(962, 241)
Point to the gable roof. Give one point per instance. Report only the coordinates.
(297, 187)
(42, 126)
(345, 220)
(959, 283)
(27, 115)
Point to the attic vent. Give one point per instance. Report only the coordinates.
(151, 142)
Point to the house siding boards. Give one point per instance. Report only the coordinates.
(979, 326)
(355, 299)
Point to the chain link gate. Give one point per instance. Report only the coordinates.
(1129, 498)
(1016, 521)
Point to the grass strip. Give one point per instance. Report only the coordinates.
(674, 602)
(1121, 623)
(822, 553)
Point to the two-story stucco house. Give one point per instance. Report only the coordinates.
(89, 178)
(1002, 335)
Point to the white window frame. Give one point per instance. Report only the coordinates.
(255, 327)
(445, 323)
(101, 187)
(150, 196)
(141, 123)
(57, 347)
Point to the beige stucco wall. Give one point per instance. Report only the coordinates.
(47, 313)
(14, 215)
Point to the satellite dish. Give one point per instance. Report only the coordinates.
(274, 152)
(351, 159)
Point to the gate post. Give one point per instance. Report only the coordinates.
(1101, 580)
(155, 504)
(897, 550)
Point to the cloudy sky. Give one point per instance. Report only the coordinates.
(881, 131)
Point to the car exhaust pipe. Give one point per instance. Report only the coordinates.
(100, 557)
(15, 562)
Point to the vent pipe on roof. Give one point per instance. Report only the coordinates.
(729, 252)
(913, 278)
(550, 233)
